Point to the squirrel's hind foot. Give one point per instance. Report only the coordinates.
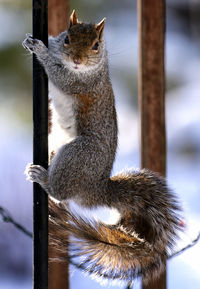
(38, 174)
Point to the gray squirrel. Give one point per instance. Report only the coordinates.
(84, 112)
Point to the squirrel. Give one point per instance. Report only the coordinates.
(80, 170)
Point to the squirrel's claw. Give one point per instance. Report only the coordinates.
(29, 35)
(32, 45)
(35, 173)
(28, 43)
(38, 174)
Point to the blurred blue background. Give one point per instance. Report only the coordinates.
(182, 119)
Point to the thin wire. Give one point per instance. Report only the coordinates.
(6, 217)
(186, 247)
(129, 285)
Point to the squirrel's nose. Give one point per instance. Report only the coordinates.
(77, 60)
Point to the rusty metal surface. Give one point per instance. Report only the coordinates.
(160, 283)
(151, 27)
(58, 15)
(58, 271)
(151, 20)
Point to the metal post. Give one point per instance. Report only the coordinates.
(40, 150)
(58, 12)
(151, 24)
(58, 21)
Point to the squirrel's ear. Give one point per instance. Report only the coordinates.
(73, 19)
(100, 27)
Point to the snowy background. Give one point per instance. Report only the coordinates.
(182, 119)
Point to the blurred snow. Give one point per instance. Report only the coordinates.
(15, 284)
(183, 113)
(16, 197)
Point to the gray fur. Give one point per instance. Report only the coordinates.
(81, 169)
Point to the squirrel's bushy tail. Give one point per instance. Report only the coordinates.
(117, 251)
(105, 251)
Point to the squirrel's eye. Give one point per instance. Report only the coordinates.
(96, 46)
(67, 40)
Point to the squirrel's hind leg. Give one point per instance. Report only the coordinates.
(38, 174)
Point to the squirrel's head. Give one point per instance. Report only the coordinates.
(83, 46)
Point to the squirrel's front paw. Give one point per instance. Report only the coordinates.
(33, 45)
(35, 173)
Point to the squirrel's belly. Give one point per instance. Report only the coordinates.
(63, 119)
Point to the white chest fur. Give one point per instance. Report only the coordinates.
(63, 118)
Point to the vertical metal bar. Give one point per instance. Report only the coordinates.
(40, 150)
(58, 21)
(151, 24)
